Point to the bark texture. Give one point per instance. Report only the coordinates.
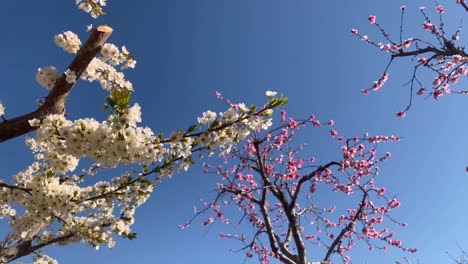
(55, 101)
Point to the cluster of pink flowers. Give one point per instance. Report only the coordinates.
(268, 165)
(448, 61)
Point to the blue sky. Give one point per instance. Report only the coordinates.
(186, 50)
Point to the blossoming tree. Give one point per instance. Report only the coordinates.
(51, 202)
(281, 195)
(439, 54)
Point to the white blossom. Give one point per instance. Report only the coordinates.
(43, 259)
(70, 76)
(208, 117)
(270, 94)
(47, 77)
(34, 122)
(68, 41)
(230, 115)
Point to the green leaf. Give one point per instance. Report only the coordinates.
(129, 236)
(192, 128)
(110, 101)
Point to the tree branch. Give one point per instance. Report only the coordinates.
(55, 101)
(464, 6)
(309, 176)
(448, 50)
(24, 247)
(348, 228)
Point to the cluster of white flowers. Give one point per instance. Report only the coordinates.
(68, 41)
(111, 53)
(47, 77)
(6, 210)
(53, 199)
(47, 202)
(64, 142)
(70, 76)
(94, 7)
(100, 69)
(107, 76)
(54, 204)
(2, 109)
(43, 259)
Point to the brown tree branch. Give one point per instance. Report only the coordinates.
(309, 176)
(283, 253)
(348, 228)
(55, 101)
(24, 247)
(464, 6)
(448, 50)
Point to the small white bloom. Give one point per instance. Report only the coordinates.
(2, 109)
(208, 116)
(34, 122)
(89, 27)
(205, 139)
(270, 94)
(47, 77)
(133, 114)
(230, 115)
(68, 41)
(85, 7)
(125, 51)
(70, 76)
(243, 108)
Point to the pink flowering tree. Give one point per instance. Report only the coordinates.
(439, 53)
(280, 192)
(54, 201)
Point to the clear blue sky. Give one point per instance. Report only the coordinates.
(188, 49)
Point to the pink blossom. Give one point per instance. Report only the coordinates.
(440, 9)
(393, 203)
(371, 19)
(396, 243)
(421, 91)
(462, 70)
(422, 60)
(401, 114)
(437, 93)
(354, 31)
(407, 42)
(283, 116)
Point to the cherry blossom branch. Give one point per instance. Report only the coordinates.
(462, 3)
(442, 56)
(308, 177)
(301, 257)
(25, 247)
(55, 101)
(348, 228)
(14, 187)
